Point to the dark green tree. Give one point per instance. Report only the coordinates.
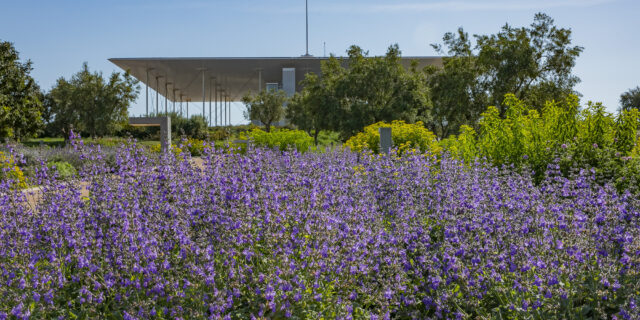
(360, 90)
(20, 97)
(630, 99)
(456, 92)
(315, 108)
(534, 63)
(90, 103)
(267, 107)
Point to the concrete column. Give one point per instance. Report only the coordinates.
(385, 140)
(165, 134)
(165, 128)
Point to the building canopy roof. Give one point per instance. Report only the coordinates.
(233, 76)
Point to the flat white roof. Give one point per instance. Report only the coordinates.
(235, 76)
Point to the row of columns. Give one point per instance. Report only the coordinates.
(219, 115)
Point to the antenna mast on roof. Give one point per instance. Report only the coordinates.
(306, 11)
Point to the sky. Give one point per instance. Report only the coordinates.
(58, 36)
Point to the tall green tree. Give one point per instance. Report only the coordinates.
(315, 108)
(456, 92)
(534, 63)
(20, 97)
(90, 103)
(361, 90)
(630, 99)
(267, 107)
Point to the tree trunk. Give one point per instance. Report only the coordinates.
(267, 127)
(315, 137)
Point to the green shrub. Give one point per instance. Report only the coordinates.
(64, 169)
(464, 146)
(279, 138)
(194, 127)
(405, 136)
(575, 139)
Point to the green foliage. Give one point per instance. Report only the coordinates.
(267, 107)
(326, 138)
(196, 127)
(464, 146)
(48, 142)
(630, 99)
(63, 169)
(359, 91)
(280, 138)
(456, 92)
(87, 103)
(20, 98)
(589, 138)
(405, 136)
(534, 63)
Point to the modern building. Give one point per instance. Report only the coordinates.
(211, 84)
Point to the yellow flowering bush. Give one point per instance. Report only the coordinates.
(195, 146)
(406, 137)
(174, 148)
(9, 170)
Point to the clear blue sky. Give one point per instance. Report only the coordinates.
(58, 36)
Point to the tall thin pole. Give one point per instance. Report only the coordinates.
(228, 111)
(181, 104)
(221, 102)
(215, 103)
(166, 94)
(146, 98)
(174, 100)
(210, 83)
(203, 114)
(157, 87)
(306, 11)
(188, 108)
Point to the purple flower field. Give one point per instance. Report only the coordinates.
(277, 235)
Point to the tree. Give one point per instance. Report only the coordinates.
(359, 91)
(630, 99)
(89, 103)
(20, 97)
(456, 93)
(267, 107)
(534, 63)
(315, 108)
